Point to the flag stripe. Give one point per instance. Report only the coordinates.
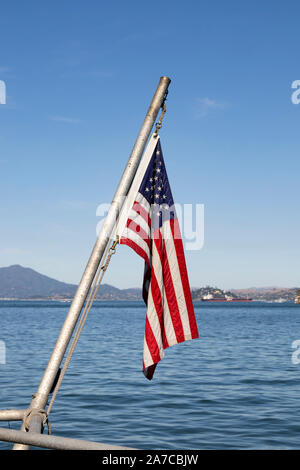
(176, 278)
(135, 237)
(138, 219)
(150, 227)
(134, 193)
(142, 201)
(154, 321)
(157, 296)
(171, 299)
(184, 278)
(168, 330)
(143, 212)
(147, 358)
(139, 231)
(152, 344)
(169, 326)
(136, 248)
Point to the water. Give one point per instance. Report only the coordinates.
(234, 388)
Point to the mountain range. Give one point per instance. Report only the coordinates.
(17, 282)
(264, 294)
(268, 294)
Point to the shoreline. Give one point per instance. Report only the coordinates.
(43, 299)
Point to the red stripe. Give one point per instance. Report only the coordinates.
(159, 248)
(151, 342)
(158, 304)
(169, 287)
(184, 276)
(171, 298)
(139, 209)
(138, 230)
(157, 238)
(135, 247)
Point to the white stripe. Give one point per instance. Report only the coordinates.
(169, 327)
(139, 220)
(148, 361)
(176, 278)
(168, 324)
(154, 322)
(136, 238)
(135, 186)
(143, 202)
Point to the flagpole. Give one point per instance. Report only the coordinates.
(36, 411)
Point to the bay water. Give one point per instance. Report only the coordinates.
(236, 387)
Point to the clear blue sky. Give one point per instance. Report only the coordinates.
(79, 79)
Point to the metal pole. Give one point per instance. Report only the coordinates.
(12, 415)
(54, 442)
(39, 400)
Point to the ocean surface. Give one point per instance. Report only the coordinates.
(236, 387)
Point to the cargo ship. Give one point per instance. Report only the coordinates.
(297, 299)
(226, 298)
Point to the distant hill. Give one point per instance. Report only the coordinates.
(265, 294)
(198, 293)
(268, 294)
(17, 282)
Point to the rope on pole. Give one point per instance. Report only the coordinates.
(95, 287)
(158, 125)
(33, 412)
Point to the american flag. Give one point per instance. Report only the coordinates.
(150, 227)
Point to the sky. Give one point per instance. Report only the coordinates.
(79, 79)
